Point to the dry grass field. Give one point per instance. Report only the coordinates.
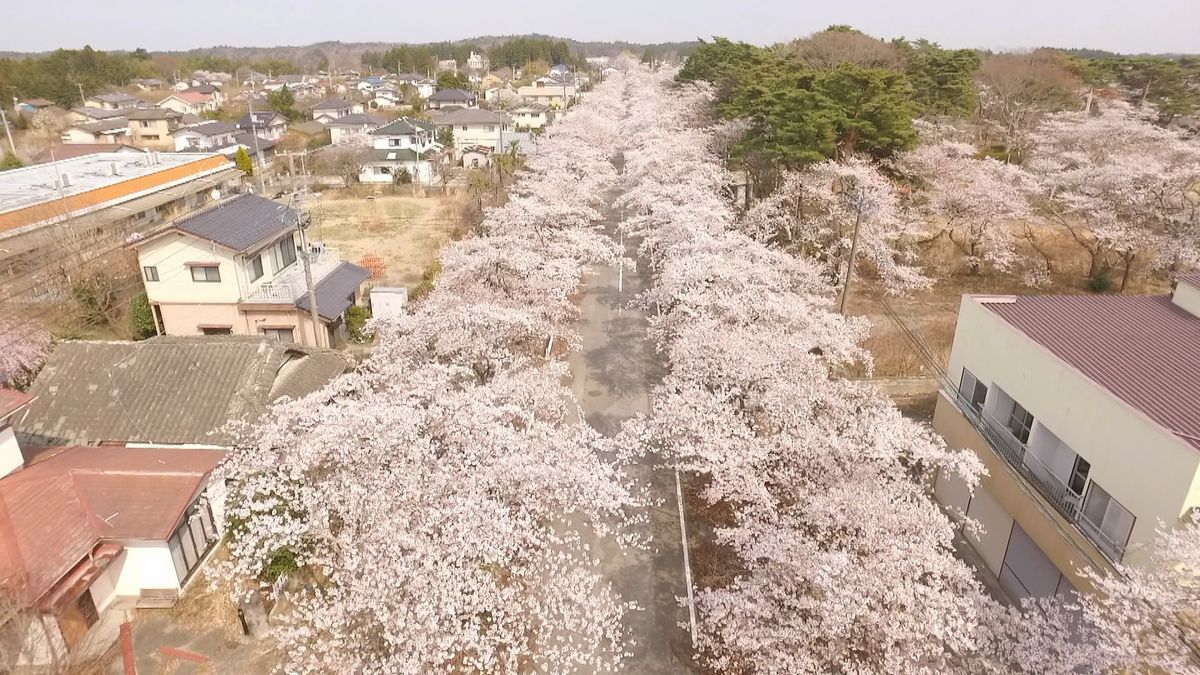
(405, 233)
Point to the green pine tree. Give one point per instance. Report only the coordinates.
(242, 160)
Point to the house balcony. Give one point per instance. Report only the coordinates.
(1023, 462)
(289, 285)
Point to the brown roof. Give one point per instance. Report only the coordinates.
(56, 511)
(166, 390)
(70, 150)
(12, 400)
(1143, 350)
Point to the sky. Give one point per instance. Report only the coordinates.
(161, 25)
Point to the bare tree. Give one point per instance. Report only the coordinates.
(839, 44)
(1016, 90)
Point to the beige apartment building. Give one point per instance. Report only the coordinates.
(1086, 412)
(235, 268)
(151, 128)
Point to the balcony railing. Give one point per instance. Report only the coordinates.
(1036, 473)
(289, 284)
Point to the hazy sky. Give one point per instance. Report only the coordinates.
(1118, 25)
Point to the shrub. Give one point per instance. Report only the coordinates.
(141, 317)
(96, 299)
(1101, 282)
(356, 321)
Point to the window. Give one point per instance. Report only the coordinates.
(464, 128)
(1020, 422)
(394, 142)
(971, 390)
(491, 127)
(284, 335)
(150, 272)
(150, 137)
(1112, 520)
(1079, 475)
(206, 273)
(255, 266)
(216, 330)
(287, 250)
(143, 124)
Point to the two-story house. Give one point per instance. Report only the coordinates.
(353, 129)
(473, 126)
(529, 116)
(110, 131)
(115, 101)
(424, 86)
(206, 137)
(451, 97)
(235, 268)
(550, 92)
(406, 143)
(151, 128)
(1086, 412)
(331, 109)
(266, 124)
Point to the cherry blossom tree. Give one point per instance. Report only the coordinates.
(1121, 187)
(817, 213)
(434, 510)
(972, 202)
(25, 348)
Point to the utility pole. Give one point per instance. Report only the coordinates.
(82, 100)
(850, 264)
(262, 186)
(306, 259)
(7, 131)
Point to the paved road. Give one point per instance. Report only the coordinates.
(613, 373)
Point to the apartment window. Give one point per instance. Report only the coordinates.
(1020, 422)
(1107, 515)
(150, 272)
(143, 124)
(206, 273)
(394, 142)
(1079, 475)
(151, 137)
(464, 128)
(216, 330)
(287, 250)
(285, 335)
(972, 390)
(255, 266)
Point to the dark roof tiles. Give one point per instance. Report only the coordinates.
(239, 222)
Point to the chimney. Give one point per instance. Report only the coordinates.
(1187, 292)
(66, 180)
(112, 169)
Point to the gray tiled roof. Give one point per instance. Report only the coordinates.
(239, 222)
(104, 125)
(1141, 349)
(331, 104)
(405, 126)
(334, 291)
(100, 113)
(169, 389)
(393, 155)
(357, 120)
(151, 114)
(451, 95)
(117, 97)
(471, 116)
(213, 128)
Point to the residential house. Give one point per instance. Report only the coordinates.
(83, 115)
(386, 97)
(475, 127)
(110, 131)
(404, 144)
(147, 84)
(190, 101)
(549, 92)
(424, 86)
(314, 133)
(1089, 443)
(267, 124)
(150, 128)
(477, 62)
(352, 129)
(527, 116)
(234, 268)
(331, 109)
(167, 391)
(32, 105)
(448, 97)
(207, 137)
(115, 101)
(447, 65)
(477, 157)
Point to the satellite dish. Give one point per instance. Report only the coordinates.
(215, 194)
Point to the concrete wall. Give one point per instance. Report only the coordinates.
(1187, 297)
(104, 588)
(11, 458)
(147, 566)
(186, 319)
(1150, 471)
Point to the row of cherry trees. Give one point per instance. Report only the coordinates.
(1122, 188)
(431, 512)
(838, 559)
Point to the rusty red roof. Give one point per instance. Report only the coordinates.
(1142, 349)
(58, 509)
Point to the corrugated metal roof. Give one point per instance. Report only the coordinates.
(164, 390)
(334, 291)
(55, 511)
(239, 222)
(1141, 349)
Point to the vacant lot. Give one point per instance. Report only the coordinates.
(405, 233)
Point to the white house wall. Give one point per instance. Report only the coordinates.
(146, 566)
